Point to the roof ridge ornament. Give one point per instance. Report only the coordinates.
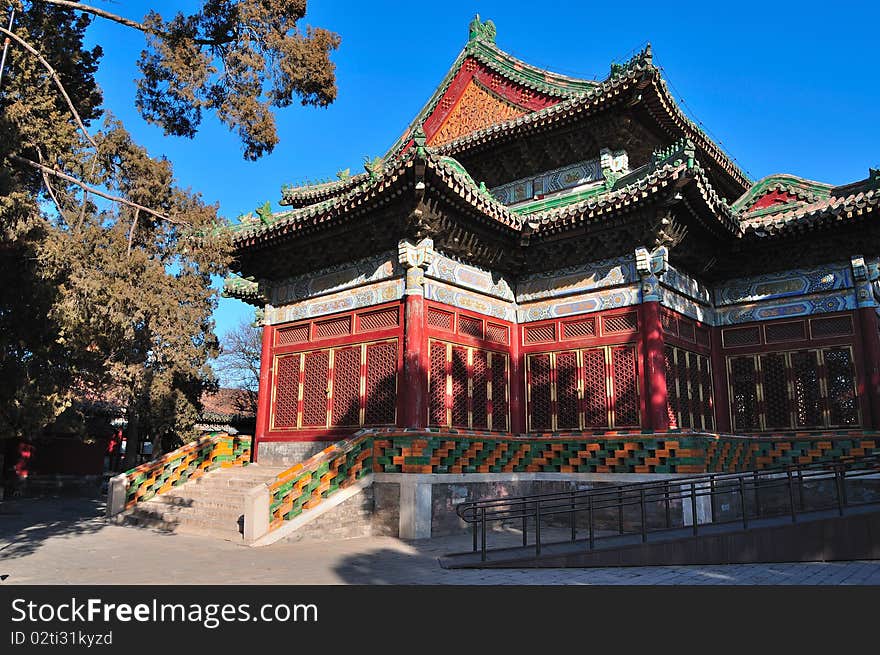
(681, 151)
(478, 31)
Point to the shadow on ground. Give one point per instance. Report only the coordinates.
(26, 523)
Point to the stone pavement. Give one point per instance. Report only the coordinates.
(66, 541)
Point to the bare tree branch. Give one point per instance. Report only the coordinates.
(91, 189)
(122, 20)
(131, 231)
(50, 190)
(24, 44)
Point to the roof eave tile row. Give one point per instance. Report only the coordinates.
(814, 215)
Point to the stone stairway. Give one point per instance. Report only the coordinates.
(212, 505)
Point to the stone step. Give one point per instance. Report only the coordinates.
(196, 511)
(211, 530)
(226, 520)
(200, 500)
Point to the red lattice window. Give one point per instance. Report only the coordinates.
(480, 390)
(499, 392)
(437, 387)
(703, 336)
(567, 402)
(579, 329)
(685, 394)
(743, 394)
(595, 388)
(291, 335)
(286, 392)
(626, 397)
(497, 333)
(788, 331)
(315, 378)
(831, 327)
(620, 323)
(777, 411)
(459, 387)
(842, 400)
(439, 319)
(673, 406)
(735, 337)
(686, 330)
(336, 327)
(469, 326)
(807, 403)
(540, 408)
(346, 387)
(669, 321)
(378, 320)
(708, 404)
(381, 384)
(540, 333)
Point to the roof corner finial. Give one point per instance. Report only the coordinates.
(648, 53)
(478, 30)
(419, 140)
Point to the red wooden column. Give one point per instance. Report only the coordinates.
(656, 416)
(719, 384)
(871, 351)
(517, 382)
(414, 391)
(413, 397)
(264, 394)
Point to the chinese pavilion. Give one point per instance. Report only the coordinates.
(538, 253)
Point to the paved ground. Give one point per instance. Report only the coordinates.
(65, 541)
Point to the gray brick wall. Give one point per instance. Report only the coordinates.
(288, 453)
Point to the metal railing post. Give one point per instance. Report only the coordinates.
(666, 499)
(483, 530)
(800, 473)
(742, 502)
(537, 528)
(843, 485)
(620, 510)
(475, 529)
(757, 497)
(644, 515)
(791, 496)
(712, 497)
(838, 488)
(573, 515)
(525, 520)
(694, 506)
(590, 509)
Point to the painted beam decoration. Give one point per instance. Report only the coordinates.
(475, 302)
(470, 277)
(373, 294)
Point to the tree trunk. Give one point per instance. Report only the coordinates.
(133, 439)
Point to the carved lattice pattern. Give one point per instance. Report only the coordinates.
(686, 330)
(291, 335)
(807, 400)
(707, 406)
(437, 391)
(673, 405)
(469, 326)
(685, 393)
(540, 333)
(286, 392)
(842, 401)
(497, 333)
(831, 327)
(789, 331)
(336, 327)
(626, 397)
(439, 319)
(459, 387)
(748, 336)
(567, 401)
(381, 384)
(620, 323)
(480, 386)
(477, 108)
(499, 392)
(579, 329)
(378, 320)
(703, 336)
(315, 379)
(540, 410)
(346, 386)
(595, 388)
(669, 321)
(777, 411)
(743, 394)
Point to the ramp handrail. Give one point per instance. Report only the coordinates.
(745, 487)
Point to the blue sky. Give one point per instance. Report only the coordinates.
(784, 86)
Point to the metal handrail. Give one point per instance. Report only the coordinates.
(747, 485)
